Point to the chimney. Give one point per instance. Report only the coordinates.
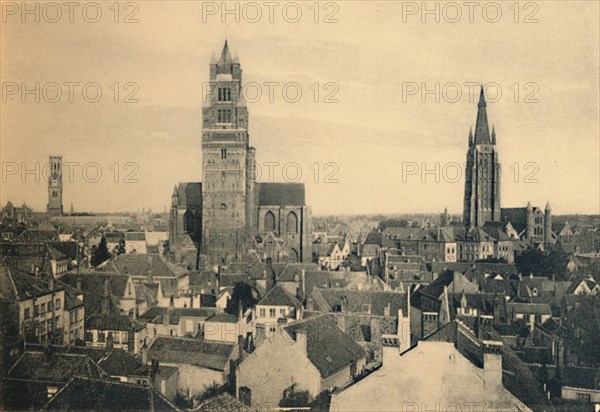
(106, 298)
(302, 340)
(492, 369)
(110, 344)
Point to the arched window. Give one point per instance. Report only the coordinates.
(292, 223)
(293, 255)
(269, 222)
(223, 206)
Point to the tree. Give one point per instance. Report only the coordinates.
(392, 223)
(121, 247)
(242, 292)
(100, 254)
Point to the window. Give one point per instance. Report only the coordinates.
(50, 306)
(51, 391)
(292, 223)
(57, 321)
(223, 154)
(272, 313)
(584, 397)
(36, 310)
(27, 313)
(262, 312)
(282, 312)
(42, 309)
(269, 222)
(101, 336)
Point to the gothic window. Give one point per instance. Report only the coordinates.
(219, 116)
(223, 206)
(292, 223)
(293, 256)
(269, 222)
(228, 97)
(223, 153)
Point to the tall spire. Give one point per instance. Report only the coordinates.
(470, 136)
(493, 134)
(482, 131)
(225, 54)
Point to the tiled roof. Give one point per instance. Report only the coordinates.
(293, 271)
(139, 236)
(280, 194)
(223, 318)
(145, 265)
(90, 394)
(278, 296)
(16, 285)
(224, 403)
(122, 363)
(328, 347)
(528, 308)
(355, 301)
(112, 322)
(209, 355)
(517, 216)
(155, 314)
(56, 367)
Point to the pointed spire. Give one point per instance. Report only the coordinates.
(175, 192)
(470, 136)
(236, 59)
(529, 207)
(548, 207)
(493, 134)
(481, 98)
(225, 54)
(213, 59)
(482, 132)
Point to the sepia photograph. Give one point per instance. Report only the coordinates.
(300, 206)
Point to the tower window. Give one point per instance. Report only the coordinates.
(223, 206)
(224, 94)
(223, 153)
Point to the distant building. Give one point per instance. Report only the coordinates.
(532, 224)
(55, 187)
(12, 214)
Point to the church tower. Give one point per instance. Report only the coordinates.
(482, 173)
(55, 187)
(228, 189)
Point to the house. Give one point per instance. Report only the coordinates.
(38, 313)
(583, 285)
(311, 355)
(365, 315)
(37, 376)
(452, 367)
(277, 304)
(200, 363)
(529, 312)
(225, 403)
(135, 242)
(581, 385)
(334, 255)
(224, 327)
(105, 330)
(173, 321)
(82, 394)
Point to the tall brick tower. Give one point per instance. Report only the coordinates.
(482, 173)
(55, 187)
(228, 188)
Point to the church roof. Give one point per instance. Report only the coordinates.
(190, 194)
(281, 194)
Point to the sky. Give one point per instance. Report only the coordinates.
(381, 125)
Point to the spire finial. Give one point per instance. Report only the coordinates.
(470, 135)
(481, 97)
(493, 134)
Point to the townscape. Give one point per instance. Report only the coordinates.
(239, 299)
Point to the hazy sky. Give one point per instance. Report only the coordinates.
(546, 119)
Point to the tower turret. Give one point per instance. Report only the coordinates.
(548, 225)
(530, 222)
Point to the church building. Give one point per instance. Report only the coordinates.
(231, 214)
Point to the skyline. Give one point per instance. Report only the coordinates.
(161, 133)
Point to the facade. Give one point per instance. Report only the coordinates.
(229, 213)
(532, 224)
(482, 182)
(55, 187)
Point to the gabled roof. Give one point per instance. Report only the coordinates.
(145, 265)
(190, 194)
(112, 322)
(224, 403)
(119, 362)
(55, 367)
(211, 355)
(16, 285)
(82, 394)
(293, 271)
(278, 296)
(280, 194)
(354, 301)
(328, 347)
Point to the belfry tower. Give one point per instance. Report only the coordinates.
(482, 173)
(55, 186)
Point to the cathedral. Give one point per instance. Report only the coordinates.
(230, 216)
(482, 191)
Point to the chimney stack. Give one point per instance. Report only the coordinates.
(302, 340)
(106, 298)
